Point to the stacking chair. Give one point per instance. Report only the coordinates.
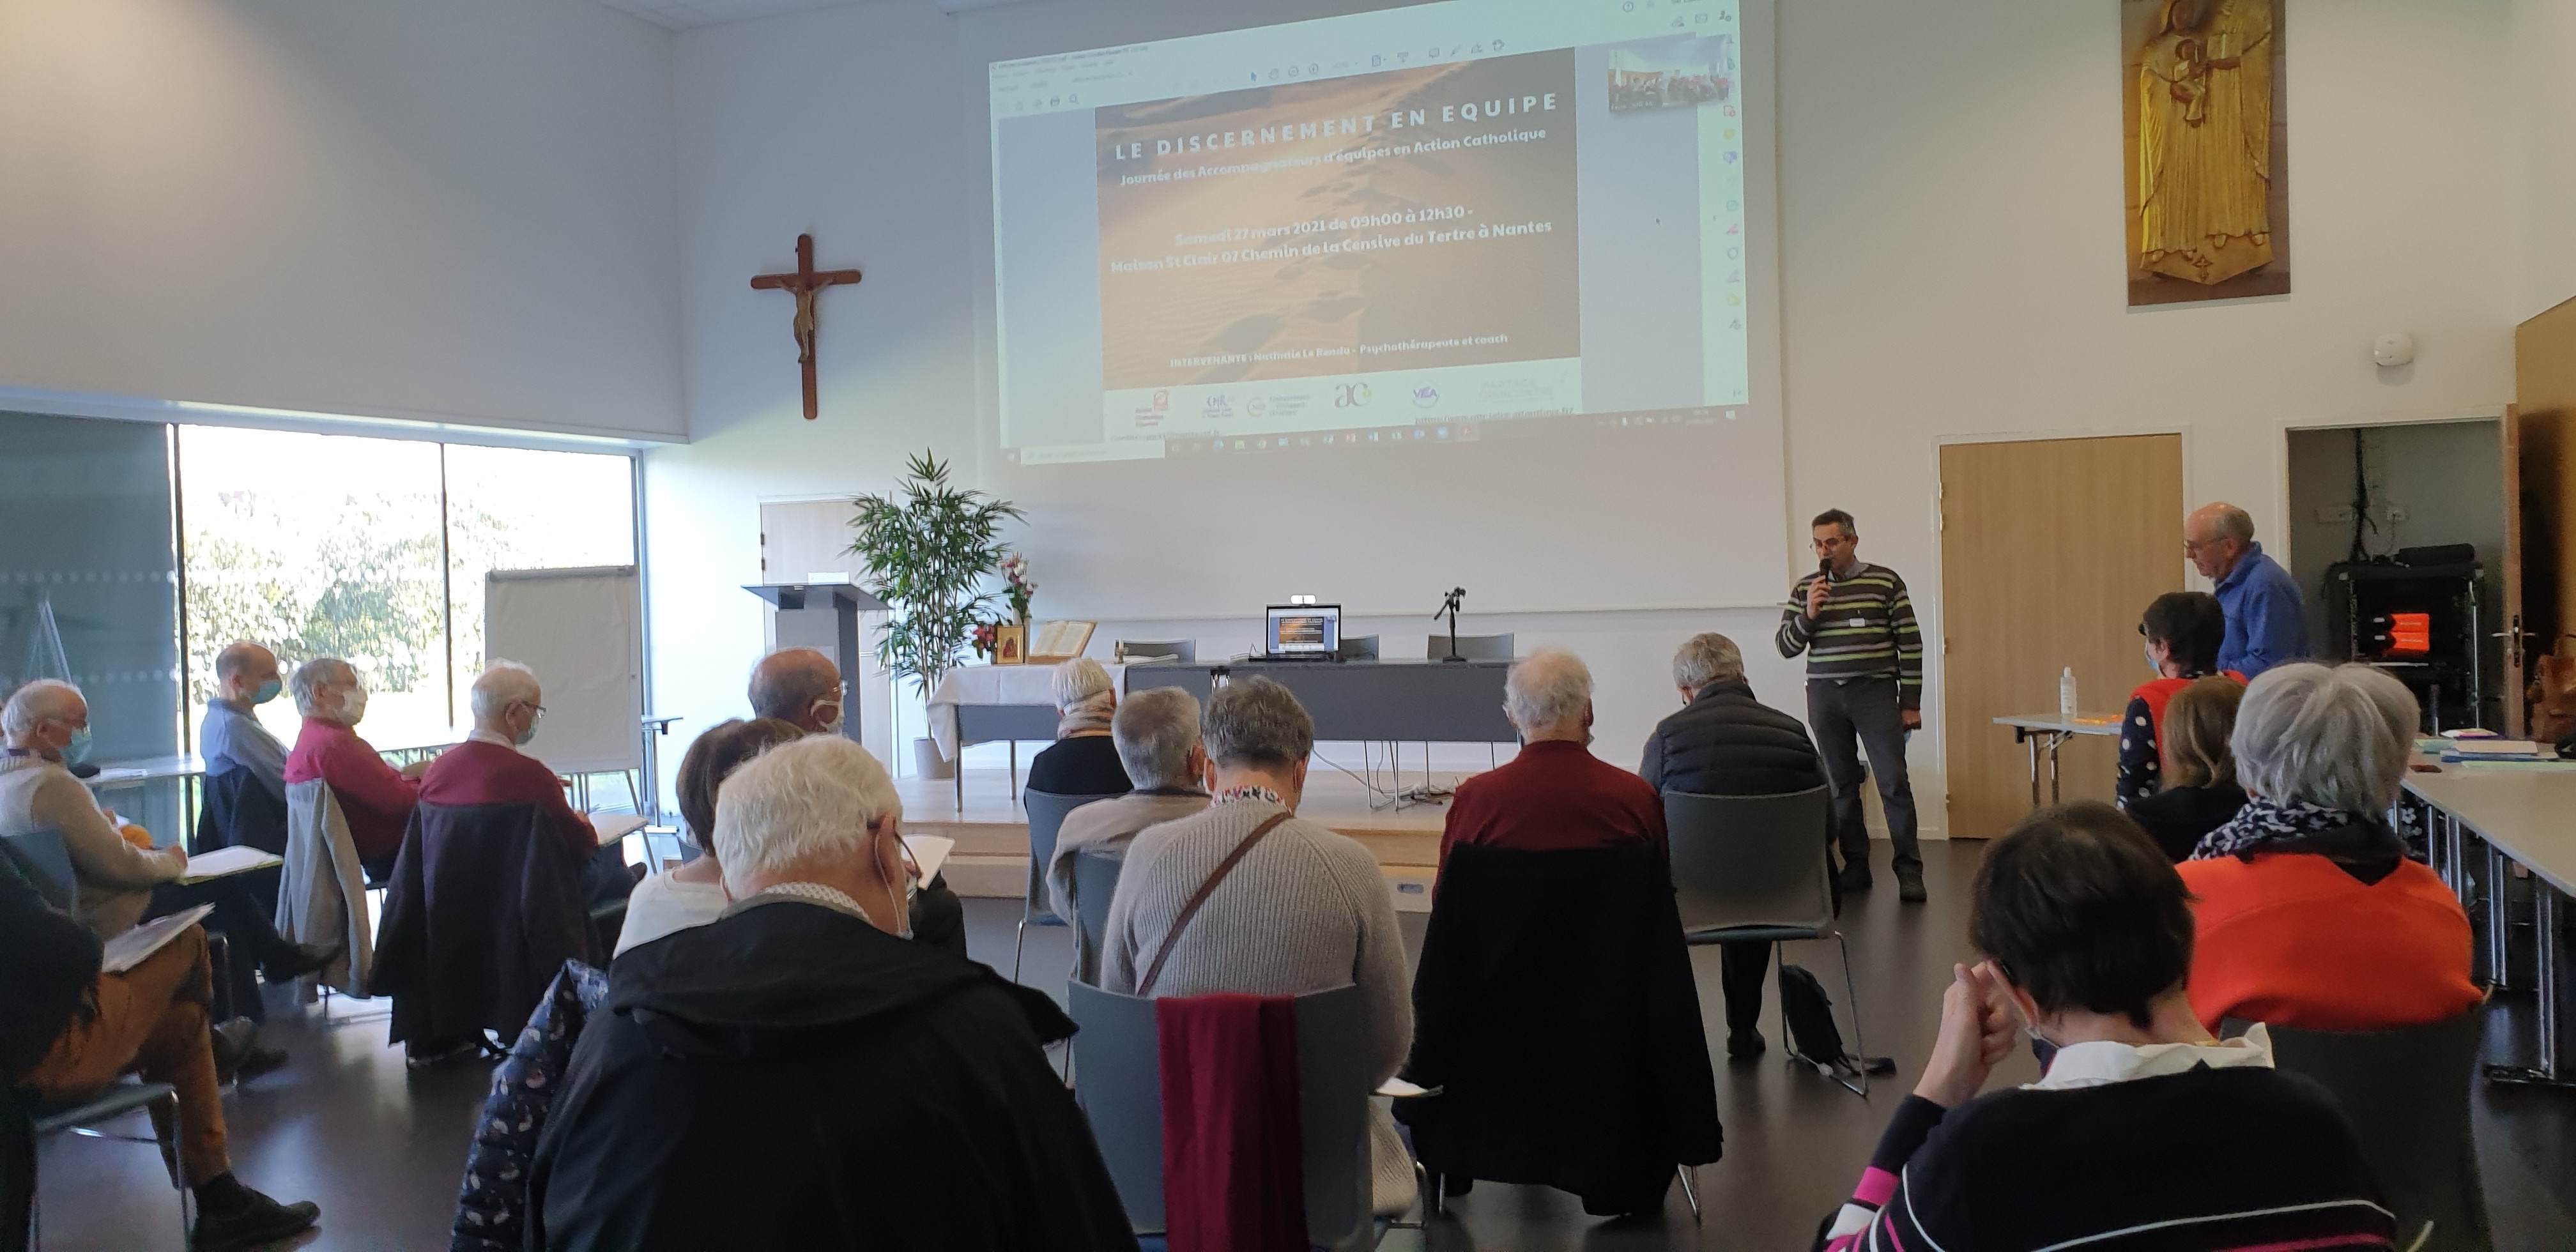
(2406, 1092)
(1140, 649)
(1095, 880)
(1046, 812)
(1122, 1093)
(1754, 869)
(22, 1125)
(1472, 647)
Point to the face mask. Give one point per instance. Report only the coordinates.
(903, 899)
(2154, 666)
(77, 750)
(267, 691)
(353, 706)
(534, 717)
(827, 725)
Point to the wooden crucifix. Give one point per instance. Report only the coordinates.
(805, 284)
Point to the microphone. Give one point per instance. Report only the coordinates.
(1825, 566)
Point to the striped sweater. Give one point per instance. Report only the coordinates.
(1865, 630)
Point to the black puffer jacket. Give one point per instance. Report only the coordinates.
(1726, 743)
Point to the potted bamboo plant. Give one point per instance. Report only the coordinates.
(929, 546)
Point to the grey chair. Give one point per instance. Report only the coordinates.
(20, 1216)
(1472, 647)
(1358, 648)
(1139, 649)
(1095, 881)
(2406, 1092)
(46, 861)
(1046, 812)
(1752, 869)
(1121, 1091)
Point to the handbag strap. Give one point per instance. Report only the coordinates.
(1153, 972)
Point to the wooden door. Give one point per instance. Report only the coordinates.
(2544, 425)
(2509, 618)
(2051, 550)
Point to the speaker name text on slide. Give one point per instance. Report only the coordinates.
(1443, 217)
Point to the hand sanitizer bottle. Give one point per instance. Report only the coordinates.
(2066, 695)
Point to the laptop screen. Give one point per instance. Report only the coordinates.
(1299, 629)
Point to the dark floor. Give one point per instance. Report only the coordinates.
(381, 1149)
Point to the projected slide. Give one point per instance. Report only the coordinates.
(1424, 224)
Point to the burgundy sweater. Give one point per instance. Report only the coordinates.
(1554, 796)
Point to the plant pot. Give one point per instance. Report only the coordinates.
(928, 763)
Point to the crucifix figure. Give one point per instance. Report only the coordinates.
(805, 284)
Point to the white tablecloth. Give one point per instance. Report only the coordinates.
(995, 684)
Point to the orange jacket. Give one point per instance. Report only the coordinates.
(2291, 939)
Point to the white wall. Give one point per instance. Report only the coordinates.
(2544, 132)
(459, 209)
(1950, 193)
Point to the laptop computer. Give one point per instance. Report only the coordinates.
(1302, 632)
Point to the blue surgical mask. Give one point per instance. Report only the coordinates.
(77, 750)
(267, 691)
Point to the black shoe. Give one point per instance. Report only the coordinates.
(1855, 877)
(1877, 1066)
(256, 1221)
(419, 1056)
(295, 960)
(1744, 1045)
(233, 1043)
(260, 1061)
(1909, 884)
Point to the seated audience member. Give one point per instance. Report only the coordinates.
(692, 894)
(802, 687)
(2200, 790)
(2143, 1122)
(119, 878)
(231, 737)
(1083, 760)
(1303, 910)
(2183, 630)
(2310, 913)
(1724, 742)
(47, 724)
(1157, 734)
(68, 1030)
(489, 768)
(375, 797)
(791, 1075)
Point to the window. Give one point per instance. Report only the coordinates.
(375, 550)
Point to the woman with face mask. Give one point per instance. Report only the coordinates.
(2142, 1121)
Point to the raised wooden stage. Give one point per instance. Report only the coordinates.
(992, 832)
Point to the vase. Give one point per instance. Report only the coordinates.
(928, 763)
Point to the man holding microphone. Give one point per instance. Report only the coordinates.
(1864, 691)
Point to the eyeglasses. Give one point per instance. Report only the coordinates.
(1827, 545)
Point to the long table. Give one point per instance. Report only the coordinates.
(2047, 732)
(1366, 701)
(2527, 815)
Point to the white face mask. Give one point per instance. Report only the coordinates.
(2154, 666)
(353, 705)
(827, 725)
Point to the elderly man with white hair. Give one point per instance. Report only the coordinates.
(231, 738)
(1724, 742)
(2267, 621)
(2308, 911)
(375, 798)
(1157, 734)
(797, 1076)
(1553, 794)
(489, 768)
(1084, 759)
(47, 723)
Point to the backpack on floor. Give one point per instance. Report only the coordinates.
(1810, 1014)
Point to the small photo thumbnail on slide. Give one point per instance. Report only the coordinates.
(1679, 73)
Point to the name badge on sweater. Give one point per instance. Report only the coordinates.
(1860, 621)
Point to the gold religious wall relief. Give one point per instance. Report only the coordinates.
(2208, 195)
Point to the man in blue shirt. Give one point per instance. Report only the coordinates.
(231, 736)
(2266, 622)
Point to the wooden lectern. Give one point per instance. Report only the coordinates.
(825, 617)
